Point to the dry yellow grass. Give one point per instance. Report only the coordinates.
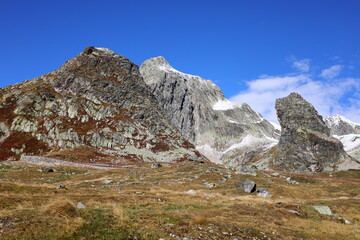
(61, 208)
(145, 211)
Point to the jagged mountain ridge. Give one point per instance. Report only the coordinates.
(198, 108)
(96, 106)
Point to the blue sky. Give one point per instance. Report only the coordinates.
(256, 51)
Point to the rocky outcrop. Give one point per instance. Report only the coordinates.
(95, 107)
(198, 108)
(305, 143)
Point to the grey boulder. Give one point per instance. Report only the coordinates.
(248, 186)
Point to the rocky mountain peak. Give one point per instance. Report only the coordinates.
(199, 109)
(159, 61)
(96, 106)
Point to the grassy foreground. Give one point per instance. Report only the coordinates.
(146, 203)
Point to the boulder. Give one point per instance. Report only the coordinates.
(248, 186)
(323, 210)
(47, 169)
(80, 205)
(156, 165)
(210, 185)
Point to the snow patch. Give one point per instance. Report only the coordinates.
(235, 122)
(276, 126)
(250, 140)
(350, 141)
(223, 105)
(212, 154)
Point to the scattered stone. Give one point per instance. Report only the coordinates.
(294, 212)
(80, 205)
(290, 181)
(344, 221)
(104, 187)
(210, 185)
(107, 181)
(213, 169)
(48, 169)
(139, 192)
(156, 165)
(245, 170)
(263, 192)
(323, 210)
(194, 158)
(191, 192)
(248, 186)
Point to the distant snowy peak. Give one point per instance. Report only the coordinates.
(340, 125)
(337, 119)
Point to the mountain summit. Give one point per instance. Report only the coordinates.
(199, 109)
(95, 107)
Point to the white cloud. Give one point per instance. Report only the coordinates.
(302, 65)
(332, 72)
(326, 96)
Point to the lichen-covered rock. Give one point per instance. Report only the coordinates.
(305, 143)
(198, 108)
(96, 107)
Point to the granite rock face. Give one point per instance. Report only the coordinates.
(95, 107)
(198, 108)
(305, 143)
